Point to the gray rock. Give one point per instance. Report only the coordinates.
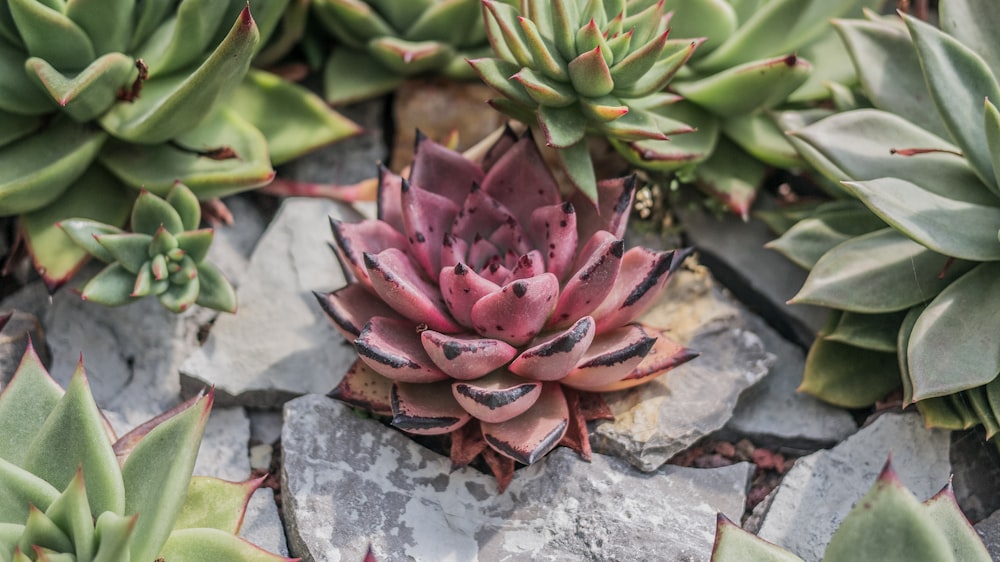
(655, 421)
(774, 415)
(280, 343)
(989, 530)
(977, 471)
(763, 279)
(15, 333)
(348, 482)
(265, 426)
(262, 525)
(223, 453)
(819, 491)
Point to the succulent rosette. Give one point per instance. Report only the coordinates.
(70, 490)
(484, 306)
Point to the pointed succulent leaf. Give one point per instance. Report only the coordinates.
(393, 349)
(426, 218)
(243, 163)
(293, 120)
(938, 354)
(733, 544)
(213, 545)
(554, 356)
(593, 280)
(928, 218)
(50, 35)
(466, 358)
(462, 288)
(758, 135)
(544, 90)
(395, 278)
(364, 388)
(20, 489)
(731, 176)
(544, 52)
(37, 170)
(129, 249)
(180, 41)
(876, 332)
(185, 202)
(41, 532)
(992, 127)
(634, 125)
(196, 243)
(113, 286)
(575, 160)
(152, 212)
(810, 238)
(531, 435)
(165, 455)
(611, 357)
(409, 58)
(611, 211)
(76, 429)
(114, 535)
(564, 127)
(426, 409)
(677, 53)
(662, 357)
(517, 312)
(590, 75)
(170, 105)
(958, 80)
(496, 73)
(504, 18)
(350, 307)
(180, 295)
(973, 22)
(898, 273)
(642, 279)
(84, 233)
(71, 513)
(763, 84)
(89, 93)
(965, 543)
(497, 397)
(212, 503)
(214, 291)
(633, 67)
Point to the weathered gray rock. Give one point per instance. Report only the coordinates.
(763, 279)
(280, 344)
(223, 452)
(348, 482)
(774, 415)
(262, 525)
(819, 491)
(265, 426)
(15, 333)
(655, 421)
(989, 530)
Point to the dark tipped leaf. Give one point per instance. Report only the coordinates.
(426, 409)
(393, 349)
(762, 85)
(463, 357)
(611, 357)
(554, 356)
(497, 397)
(593, 280)
(395, 278)
(531, 435)
(364, 388)
(517, 312)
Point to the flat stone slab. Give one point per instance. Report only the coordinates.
(348, 482)
(655, 421)
(819, 491)
(279, 344)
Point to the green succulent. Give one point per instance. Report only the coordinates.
(382, 42)
(888, 524)
(164, 255)
(909, 265)
(745, 71)
(103, 97)
(70, 491)
(579, 67)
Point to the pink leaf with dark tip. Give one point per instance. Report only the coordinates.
(461, 288)
(556, 355)
(426, 409)
(496, 398)
(641, 281)
(466, 357)
(427, 218)
(353, 239)
(509, 237)
(614, 203)
(528, 265)
(517, 312)
(553, 231)
(389, 198)
(495, 153)
(392, 348)
(443, 171)
(522, 181)
(364, 388)
(531, 435)
(397, 281)
(453, 251)
(479, 215)
(495, 272)
(481, 251)
(664, 356)
(612, 356)
(598, 266)
(350, 307)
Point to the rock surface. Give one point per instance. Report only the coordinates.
(348, 482)
(819, 491)
(989, 530)
(15, 333)
(655, 421)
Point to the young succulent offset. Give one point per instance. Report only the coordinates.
(102, 98)
(911, 273)
(576, 67)
(486, 307)
(164, 255)
(737, 84)
(72, 491)
(888, 524)
(381, 42)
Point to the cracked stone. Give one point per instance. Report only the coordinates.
(657, 420)
(826, 484)
(348, 482)
(280, 344)
(262, 525)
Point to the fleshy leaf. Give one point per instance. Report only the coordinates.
(497, 397)
(26, 402)
(83, 233)
(213, 545)
(733, 544)
(531, 435)
(212, 503)
(214, 291)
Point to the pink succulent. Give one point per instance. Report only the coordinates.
(484, 306)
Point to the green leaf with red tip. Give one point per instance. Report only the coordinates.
(590, 75)
(40, 531)
(129, 249)
(733, 544)
(222, 155)
(181, 40)
(546, 55)
(113, 286)
(545, 91)
(89, 93)
(184, 201)
(71, 512)
(165, 455)
(171, 105)
(25, 403)
(97, 196)
(762, 85)
(213, 545)
(212, 503)
(676, 53)
(965, 543)
(37, 170)
(497, 73)
(83, 232)
(504, 19)
(151, 212)
(180, 295)
(636, 64)
(410, 58)
(75, 428)
(214, 291)
(293, 120)
(637, 124)
(50, 35)
(354, 23)
(681, 150)
(115, 534)
(196, 243)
